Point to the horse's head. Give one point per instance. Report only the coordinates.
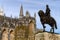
(41, 13)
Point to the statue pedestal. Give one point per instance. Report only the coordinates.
(47, 36)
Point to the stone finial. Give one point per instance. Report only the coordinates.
(11, 18)
(34, 15)
(4, 18)
(27, 14)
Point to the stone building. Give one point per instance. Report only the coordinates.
(20, 28)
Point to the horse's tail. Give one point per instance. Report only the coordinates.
(55, 25)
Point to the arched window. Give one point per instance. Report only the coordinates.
(4, 34)
(11, 35)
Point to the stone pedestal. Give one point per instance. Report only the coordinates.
(47, 36)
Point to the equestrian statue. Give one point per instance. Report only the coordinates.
(46, 18)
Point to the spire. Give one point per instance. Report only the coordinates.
(11, 18)
(4, 18)
(34, 15)
(21, 11)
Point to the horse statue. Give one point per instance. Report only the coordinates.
(47, 20)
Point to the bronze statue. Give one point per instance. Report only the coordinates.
(47, 20)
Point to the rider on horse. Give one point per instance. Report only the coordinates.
(47, 11)
(45, 18)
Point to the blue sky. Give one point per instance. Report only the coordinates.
(12, 7)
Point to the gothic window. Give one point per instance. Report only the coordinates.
(11, 35)
(4, 35)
